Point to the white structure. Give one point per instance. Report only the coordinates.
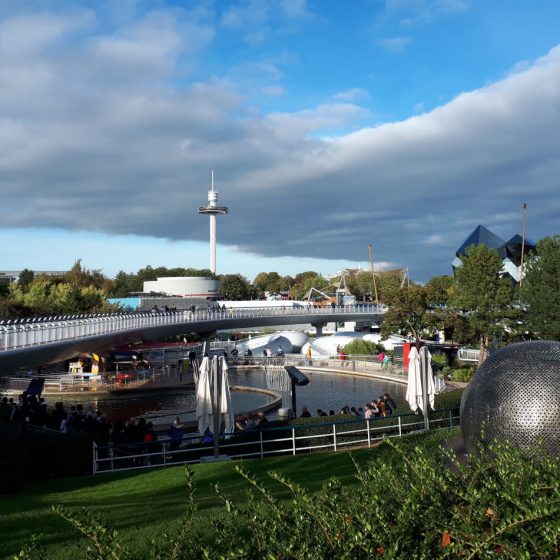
(262, 304)
(271, 341)
(184, 286)
(212, 209)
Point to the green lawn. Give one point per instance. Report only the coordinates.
(143, 505)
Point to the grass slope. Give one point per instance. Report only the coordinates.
(145, 505)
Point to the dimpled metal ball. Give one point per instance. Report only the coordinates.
(515, 396)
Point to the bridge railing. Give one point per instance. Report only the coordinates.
(23, 333)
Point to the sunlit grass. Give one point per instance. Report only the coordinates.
(143, 505)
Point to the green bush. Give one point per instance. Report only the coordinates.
(365, 348)
(440, 359)
(501, 504)
(463, 375)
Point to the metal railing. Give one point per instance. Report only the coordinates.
(285, 440)
(79, 382)
(23, 333)
(468, 355)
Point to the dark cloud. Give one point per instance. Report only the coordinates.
(84, 145)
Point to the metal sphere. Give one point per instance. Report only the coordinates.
(515, 396)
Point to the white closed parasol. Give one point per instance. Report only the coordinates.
(204, 397)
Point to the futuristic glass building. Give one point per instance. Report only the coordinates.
(509, 251)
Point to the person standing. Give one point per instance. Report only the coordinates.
(175, 434)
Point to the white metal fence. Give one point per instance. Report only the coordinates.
(468, 355)
(288, 440)
(68, 383)
(23, 333)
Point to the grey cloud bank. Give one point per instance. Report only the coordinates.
(97, 133)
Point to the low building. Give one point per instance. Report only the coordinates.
(185, 286)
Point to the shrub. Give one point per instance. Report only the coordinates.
(463, 375)
(365, 348)
(440, 359)
(501, 503)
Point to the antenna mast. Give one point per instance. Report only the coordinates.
(523, 244)
(373, 273)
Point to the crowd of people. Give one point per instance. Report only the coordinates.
(250, 422)
(377, 408)
(33, 410)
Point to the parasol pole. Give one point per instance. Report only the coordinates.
(523, 244)
(216, 405)
(424, 366)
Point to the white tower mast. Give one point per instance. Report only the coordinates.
(212, 209)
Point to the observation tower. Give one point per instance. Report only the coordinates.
(212, 209)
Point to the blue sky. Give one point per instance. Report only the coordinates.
(330, 125)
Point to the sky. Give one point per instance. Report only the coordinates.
(329, 126)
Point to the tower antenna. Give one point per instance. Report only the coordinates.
(212, 210)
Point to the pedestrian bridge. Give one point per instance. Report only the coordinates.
(30, 343)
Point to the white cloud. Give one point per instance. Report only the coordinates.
(434, 239)
(421, 12)
(352, 94)
(131, 153)
(323, 118)
(395, 44)
(261, 18)
(273, 90)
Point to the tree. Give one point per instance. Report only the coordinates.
(541, 290)
(81, 277)
(486, 298)
(25, 278)
(360, 285)
(407, 314)
(65, 298)
(438, 289)
(388, 284)
(304, 281)
(123, 284)
(237, 287)
(271, 282)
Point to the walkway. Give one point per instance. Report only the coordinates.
(33, 342)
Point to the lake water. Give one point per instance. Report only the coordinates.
(325, 390)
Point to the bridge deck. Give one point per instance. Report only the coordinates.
(31, 343)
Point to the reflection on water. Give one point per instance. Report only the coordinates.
(325, 390)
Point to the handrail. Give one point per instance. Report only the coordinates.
(164, 452)
(56, 329)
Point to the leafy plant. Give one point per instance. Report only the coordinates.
(501, 503)
(463, 375)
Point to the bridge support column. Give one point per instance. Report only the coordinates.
(319, 328)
